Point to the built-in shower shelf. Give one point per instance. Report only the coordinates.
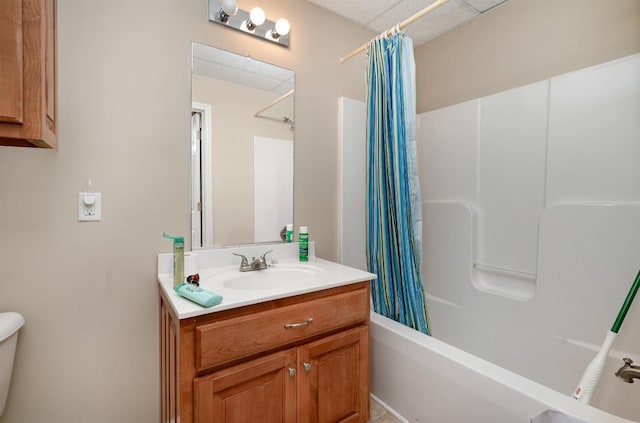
(514, 284)
(454, 226)
(505, 272)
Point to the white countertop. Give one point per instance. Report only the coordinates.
(211, 263)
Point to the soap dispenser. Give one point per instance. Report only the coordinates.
(178, 258)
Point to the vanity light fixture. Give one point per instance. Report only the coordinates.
(227, 13)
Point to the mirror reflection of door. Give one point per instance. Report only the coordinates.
(201, 196)
(196, 179)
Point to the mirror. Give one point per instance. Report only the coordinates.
(242, 134)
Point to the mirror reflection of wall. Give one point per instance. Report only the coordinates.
(250, 158)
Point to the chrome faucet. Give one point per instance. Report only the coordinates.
(257, 263)
(628, 372)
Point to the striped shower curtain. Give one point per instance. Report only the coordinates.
(394, 220)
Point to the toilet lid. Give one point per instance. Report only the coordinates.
(10, 322)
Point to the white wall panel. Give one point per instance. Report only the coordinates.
(511, 161)
(352, 167)
(447, 152)
(594, 134)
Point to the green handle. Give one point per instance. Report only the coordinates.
(625, 306)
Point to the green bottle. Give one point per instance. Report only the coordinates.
(178, 258)
(304, 243)
(289, 232)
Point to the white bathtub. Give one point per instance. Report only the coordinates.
(422, 379)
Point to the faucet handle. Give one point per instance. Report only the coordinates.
(627, 361)
(245, 261)
(262, 257)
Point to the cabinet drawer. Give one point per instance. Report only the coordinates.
(238, 337)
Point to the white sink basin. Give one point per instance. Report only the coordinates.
(279, 276)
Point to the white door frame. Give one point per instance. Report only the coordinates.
(206, 174)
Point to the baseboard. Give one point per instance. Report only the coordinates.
(389, 409)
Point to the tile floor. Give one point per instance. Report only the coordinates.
(380, 415)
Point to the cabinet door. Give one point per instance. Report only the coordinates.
(28, 95)
(11, 69)
(258, 391)
(333, 384)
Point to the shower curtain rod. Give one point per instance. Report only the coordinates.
(401, 25)
(273, 103)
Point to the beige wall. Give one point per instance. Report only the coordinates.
(89, 350)
(233, 129)
(521, 42)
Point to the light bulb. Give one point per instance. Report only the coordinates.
(282, 26)
(256, 16)
(230, 7)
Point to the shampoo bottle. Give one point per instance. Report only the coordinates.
(304, 243)
(178, 259)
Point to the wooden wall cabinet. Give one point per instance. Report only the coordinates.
(28, 92)
(244, 365)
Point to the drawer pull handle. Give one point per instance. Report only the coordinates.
(307, 366)
(292, 371)
(298, 325)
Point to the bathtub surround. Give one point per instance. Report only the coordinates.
(393, 218)
(582, 252)
(574, 225)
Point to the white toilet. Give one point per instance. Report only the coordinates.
(10, 323)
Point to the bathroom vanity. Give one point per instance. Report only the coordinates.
(297, 351)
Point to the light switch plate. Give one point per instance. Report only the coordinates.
(89, 207)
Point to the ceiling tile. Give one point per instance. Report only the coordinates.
(221, 64)
(381, 15)
(360, 11)
(483, 5)
(436, 23)
(396, 14)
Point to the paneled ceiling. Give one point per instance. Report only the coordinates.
(221, 64)
(381, 15)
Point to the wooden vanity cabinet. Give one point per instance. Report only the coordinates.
(244, 365)
(28, 93)
(260, 390)
(332, 385)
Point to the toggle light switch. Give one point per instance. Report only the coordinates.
(89, 207)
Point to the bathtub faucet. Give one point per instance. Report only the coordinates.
(628, 372)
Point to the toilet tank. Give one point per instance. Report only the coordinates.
(10, 323)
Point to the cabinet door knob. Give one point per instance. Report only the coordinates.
(307, 366)
(292, 371)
